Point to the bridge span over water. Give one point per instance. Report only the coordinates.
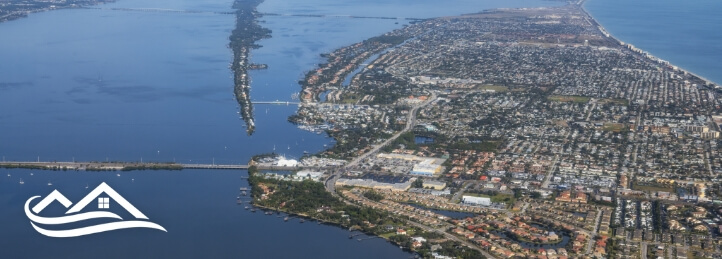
(276, 102)
(129, 166)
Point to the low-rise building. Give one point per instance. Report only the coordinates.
(476, 201)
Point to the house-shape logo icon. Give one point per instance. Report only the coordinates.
(73, 214)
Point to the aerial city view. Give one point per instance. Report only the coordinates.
(356, 129)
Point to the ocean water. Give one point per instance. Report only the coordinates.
(685, 33)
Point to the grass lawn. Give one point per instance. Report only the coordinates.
(503, 198)
(623, 102)
(387, 235)
(569, 98)
(616, 127)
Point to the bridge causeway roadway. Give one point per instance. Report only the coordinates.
(103, 166)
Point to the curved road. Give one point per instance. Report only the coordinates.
(410, 122)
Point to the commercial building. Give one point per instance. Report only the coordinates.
(476, 201)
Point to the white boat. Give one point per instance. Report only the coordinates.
(118, 175)
(86, 186)
(31, 174)
(8, 174)
(21, 181)
(50, 184)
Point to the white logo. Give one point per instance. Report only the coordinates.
(103, 203)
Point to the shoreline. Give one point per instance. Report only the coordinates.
(332, 224)
(582, 7)
(26, 14)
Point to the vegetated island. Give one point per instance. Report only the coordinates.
(243, 39)
(11, 10)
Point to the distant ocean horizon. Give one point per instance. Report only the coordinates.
(685, 33)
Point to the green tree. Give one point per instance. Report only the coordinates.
(419, 183)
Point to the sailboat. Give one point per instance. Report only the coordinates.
(21, 181)
(86, 186)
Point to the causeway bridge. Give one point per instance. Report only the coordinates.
(126, 166)
(244, 167)
(276, 102)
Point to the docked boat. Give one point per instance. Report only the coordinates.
(285, 219)
(302, 220)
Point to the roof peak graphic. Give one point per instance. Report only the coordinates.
(53, 196)
(105, 188)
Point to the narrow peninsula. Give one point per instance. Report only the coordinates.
(243, 39)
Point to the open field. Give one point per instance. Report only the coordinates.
(569, 98)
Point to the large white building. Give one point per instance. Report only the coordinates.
(282, 161)
(428, 167)
(476, 201)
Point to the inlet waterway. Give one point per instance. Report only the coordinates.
(99, 84)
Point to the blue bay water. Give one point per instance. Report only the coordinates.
(197, 208)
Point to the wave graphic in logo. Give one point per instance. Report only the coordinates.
(103, 203)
